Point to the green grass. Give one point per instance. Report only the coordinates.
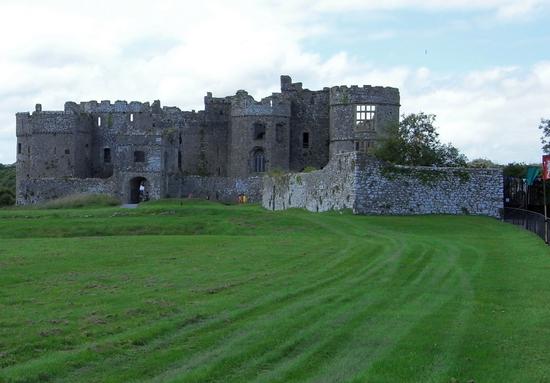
(75, 201)
(202, 292)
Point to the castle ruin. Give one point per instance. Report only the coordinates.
(164, 149)
(136, 151)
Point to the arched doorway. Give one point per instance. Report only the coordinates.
(139, 190)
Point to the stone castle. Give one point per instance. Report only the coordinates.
(140, 144)
(137, 151)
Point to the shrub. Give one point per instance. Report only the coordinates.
(7, 197)
(309, 169)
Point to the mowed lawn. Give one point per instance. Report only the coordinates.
(202, 292)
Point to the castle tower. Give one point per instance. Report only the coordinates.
(53, 144)
(359, 116)
(259, 138)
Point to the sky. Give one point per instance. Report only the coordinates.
(482, 67)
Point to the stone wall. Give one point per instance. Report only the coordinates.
(32, 191)
(385, 189)
(368, 186)
(226, 189)
(331, 188)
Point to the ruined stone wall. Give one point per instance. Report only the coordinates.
(226, 189)
(331, 188)
(33, 191)
(357, 181)
(384, 189)
(310, 115)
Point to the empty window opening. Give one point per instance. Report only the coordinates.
(99, 121)
(179, 159)
(259, 131)
(364, 117)
(67, 151)
(107, 155)
(280, 132)
(19, 148)
(139, 156)
(28, 149)
(180, 140)
(258, 161)
(131, 117)
(364, 145)
(305, 140)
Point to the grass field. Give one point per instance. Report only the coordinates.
(202, 292)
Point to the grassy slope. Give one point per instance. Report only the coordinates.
(260, 296)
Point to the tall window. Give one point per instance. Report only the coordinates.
(305, 140)
(258, 161)
(99, 121)
(19, 148)
(139, 156)
(107, 155)
(131, 117)
(259, 131)
(364, 117)
(179, 159)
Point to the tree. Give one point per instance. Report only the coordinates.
(545, 138)
(482, 163)
(415, 141)
(7, 197)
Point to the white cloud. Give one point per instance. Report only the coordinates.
(502, 9)
(177, 51)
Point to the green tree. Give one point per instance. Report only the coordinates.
(415, 141)
(545, 138)
(7, 197)
(482, 163)
(515, 169)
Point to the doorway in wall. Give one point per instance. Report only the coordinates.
(139, 190)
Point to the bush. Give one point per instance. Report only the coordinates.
(7, 197)
(81, 200)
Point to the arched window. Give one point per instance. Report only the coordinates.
(258, 161)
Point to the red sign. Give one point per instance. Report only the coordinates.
(546, 167)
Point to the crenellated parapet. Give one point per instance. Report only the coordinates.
(106, 106)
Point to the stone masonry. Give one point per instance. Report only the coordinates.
(359, 182)
(140, 150)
